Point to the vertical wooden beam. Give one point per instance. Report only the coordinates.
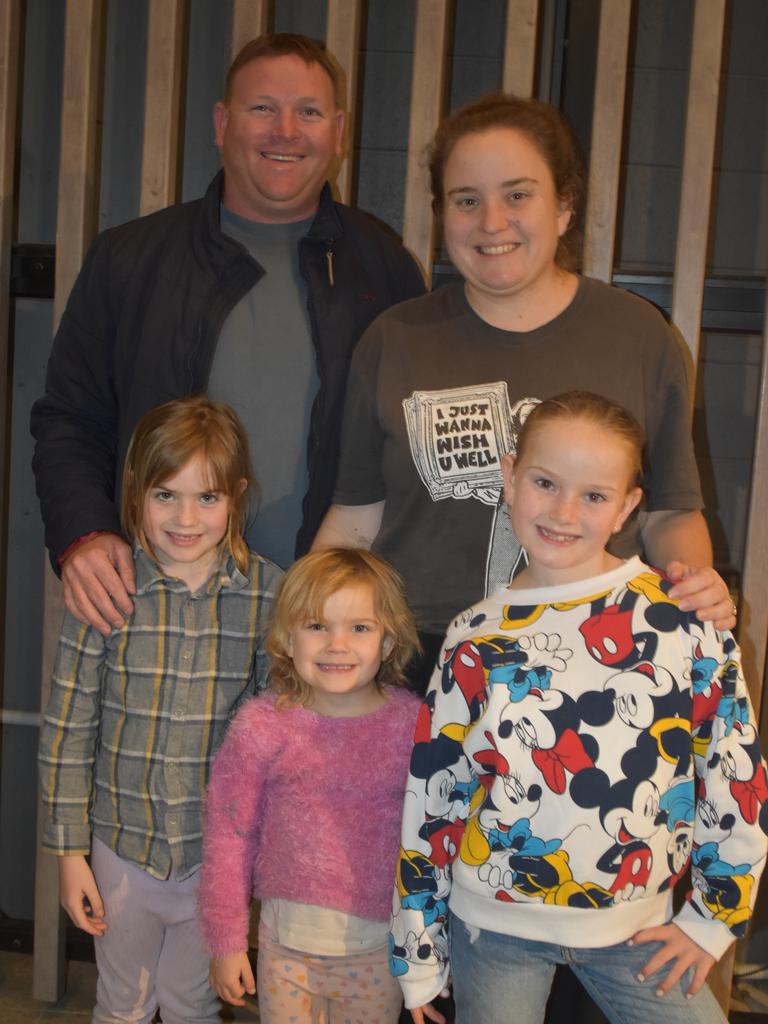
(163, 104)
(342, 37)
(250, 18)
(698, 161)
(427, 95)
(10, 66)
(753, 631)
(520, 47)
(607, 127)
(76, 223)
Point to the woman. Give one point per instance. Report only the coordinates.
(439, 385)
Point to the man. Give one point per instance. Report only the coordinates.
(256, 293)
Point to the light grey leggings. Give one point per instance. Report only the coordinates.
(152, 953)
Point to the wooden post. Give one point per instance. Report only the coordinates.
(10, 65)
(753, 631)
(427, 94)
(342, 37)
(161, 151)
(607, 128)
(698, 161)
(520, 47)
(75, 226)
(250, 18)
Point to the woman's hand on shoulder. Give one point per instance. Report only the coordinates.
(680, 952)
(704, 592)
(231, 977)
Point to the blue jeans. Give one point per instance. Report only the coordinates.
(501, 979)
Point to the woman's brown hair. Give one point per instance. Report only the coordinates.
(546, 129)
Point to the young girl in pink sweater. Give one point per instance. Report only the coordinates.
(304, 800)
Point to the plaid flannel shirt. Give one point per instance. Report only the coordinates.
(134, 719)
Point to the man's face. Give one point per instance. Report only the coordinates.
(277, 134)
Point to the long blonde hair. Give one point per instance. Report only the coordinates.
(165, 440)
(302, 595)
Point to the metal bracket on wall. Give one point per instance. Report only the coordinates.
(33, 271)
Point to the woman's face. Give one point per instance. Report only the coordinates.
(502, 218)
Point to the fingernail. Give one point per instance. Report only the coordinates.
(641, 977)
(630, 942)
(660, 993)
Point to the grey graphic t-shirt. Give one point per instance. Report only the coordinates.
(436, 397)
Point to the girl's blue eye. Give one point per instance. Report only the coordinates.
(314, 625)
(360, 627)
(163, 496)
(594, 497)
(209, 498)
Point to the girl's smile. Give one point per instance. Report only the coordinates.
(185, 522)
(571, 489)
(339, 653)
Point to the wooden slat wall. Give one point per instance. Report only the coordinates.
(10, 69)
(250, 18)
(161, 152)
(693, 224)
(520, 47)
(78, 190)
(427, 95)
(342, 37)
(753, 632)
(76, 224)
(607, 129)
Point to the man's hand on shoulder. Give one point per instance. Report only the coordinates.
(98, 578)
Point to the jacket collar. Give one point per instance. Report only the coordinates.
(326, 226)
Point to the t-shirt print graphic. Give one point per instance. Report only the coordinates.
(457, 437)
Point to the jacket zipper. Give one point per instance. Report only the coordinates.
(329, 261)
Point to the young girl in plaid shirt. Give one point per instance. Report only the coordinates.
(134, 719)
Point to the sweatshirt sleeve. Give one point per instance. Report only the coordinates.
(68, 738)
(731, 823)
(437, 798)
(230, 834)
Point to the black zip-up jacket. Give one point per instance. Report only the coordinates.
(141, 326)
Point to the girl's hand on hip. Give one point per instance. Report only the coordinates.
(680, 952)
(421, 1014)
(79, 894)
(231, 977)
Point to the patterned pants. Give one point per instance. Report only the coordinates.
(301, 988)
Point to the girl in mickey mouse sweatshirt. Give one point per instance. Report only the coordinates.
(582, 739)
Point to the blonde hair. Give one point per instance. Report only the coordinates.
(302, 595)
(165, 440)
(585, 405)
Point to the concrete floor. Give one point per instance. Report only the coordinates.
(749, 1002)
(18, 1007)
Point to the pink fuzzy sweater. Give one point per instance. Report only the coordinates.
(306, 808)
